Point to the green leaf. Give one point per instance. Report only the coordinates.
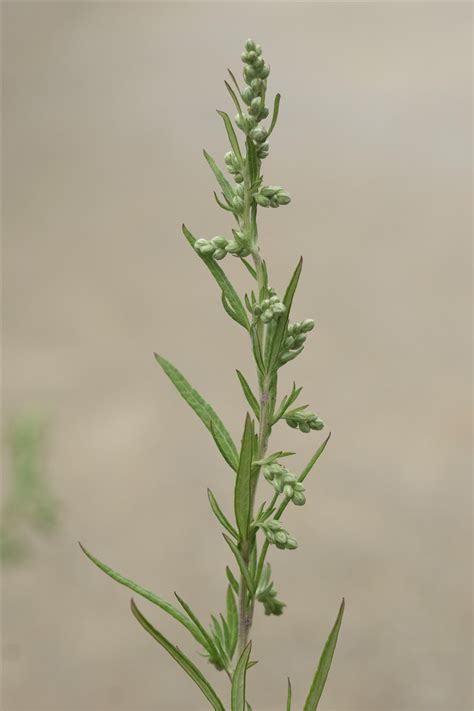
(203, 410)
(148, 595)
(210, 647)
(222, 280)
(186, 664)
(252, 160)
(276, 109)
(235, 82)
(249, 267)
(222, 205)
(237, 694)
(324, 665)
(288, 698)
(229, 310)
(232, 580)
(249, 396)
(231, 134)
(313, 459)
(241, 563)
(257, 349)
(221, 179)
(220, 516)
(232, 620)
(233, 97)
(243, 479)
(282, 323)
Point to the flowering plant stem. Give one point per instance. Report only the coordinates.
(274, 342)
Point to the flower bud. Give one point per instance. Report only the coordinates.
(258, 49)
(262, 200)
(263, 149)
(219, 254)
(281, 538)
(283, 198)
(264, 113)
(249, 73)
(258, 63)
(265, 71)
(244, 57)
(232, 247)
(304, 427)
(239, 178)
(307, 325)
(251, 57)
(256, 85)
(238, 204)
(259, 134)
(250, 45)
(270, 190)
(299, 340)
(256, 106)
(274, 202)
(291, 543)
(247, 95)
(219, 242)
(299, 498)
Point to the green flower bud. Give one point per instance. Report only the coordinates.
(262, 200)
(307, 325)
(240, 191)
(219, 254)
(258, 63)
(248, 95)
(256, 85)
(250, 45)
(281, 538)
(299, 498)
(259, 134)
(241, 122)
(299, 340)
(258, 49)
(264, 113)
(219, 241)
(263, 149)
(291, 543)
(238, 204)
(304, 427)
(207, 248)
(239, 178)
(249, 73)
(270, 190)
(251, 57)
(283, 198)
(244, 57)
(256, 106)
(233, 248)
(265, 71)
(274, 202)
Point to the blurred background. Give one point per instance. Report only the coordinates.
(107, 107)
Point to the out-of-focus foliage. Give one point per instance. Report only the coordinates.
(28, 504)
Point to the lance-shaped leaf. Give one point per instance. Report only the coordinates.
(226, 287)
(221, 179)
(241, 563)
(223, 520)
(188, 666)
(203, 410)
(231, 134)
(148, 595)
(242, 494)
(233, 97)
(288, 697)
(279, 335)
(232, 620)
(232, 580)
(249, 396)
(276, 108)
(324, 665)
(237, 694)
(252, 160)
(313, 459)
(210, 646)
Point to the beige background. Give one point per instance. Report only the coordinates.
(107, 107)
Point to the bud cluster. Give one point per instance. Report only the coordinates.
(295, 339)
(268, 309)
(272, 196)
(304, 421)
(218, 247)
(255, 76)
(274, 533)
(233, 166)
(284, 482)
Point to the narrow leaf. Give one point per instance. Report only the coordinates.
(232, 620)
(324, 665)
(210, 647)
(231, 134)
(222, 205)
(282, 323)
(148, 595)
(220, 516)
(235, 81)
(221, 179)
(186, 664)
(237, 694)
(233, 97)
(243, 479)
(224, 283)
(203, 410)
(232, 580)
(276, 109)
(252, 160)
(257, 350)
(288, 698)
(249, 396)
(313, 459)
(241, 563)
(230, 311)
(249, 267)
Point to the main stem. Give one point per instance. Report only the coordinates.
(246, 601)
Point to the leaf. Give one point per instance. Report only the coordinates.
(203, 410)
(233, 97)
(228, 309)
(231, 134)
(232, 620)
(242, 494)
(252, 160)
(257, 350)
(237, 694)
(210, 647)
(241, 563)
(221, 179)
(232, 580)
(186, 664)
(225, 285)
(235, 82)
(313, 459)
(220, 516)
(249, 396)
(222, 205)
(288, 699)
(276, 109)
(148, 595)
(324, 665)
(249, 267)
(282, 323)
